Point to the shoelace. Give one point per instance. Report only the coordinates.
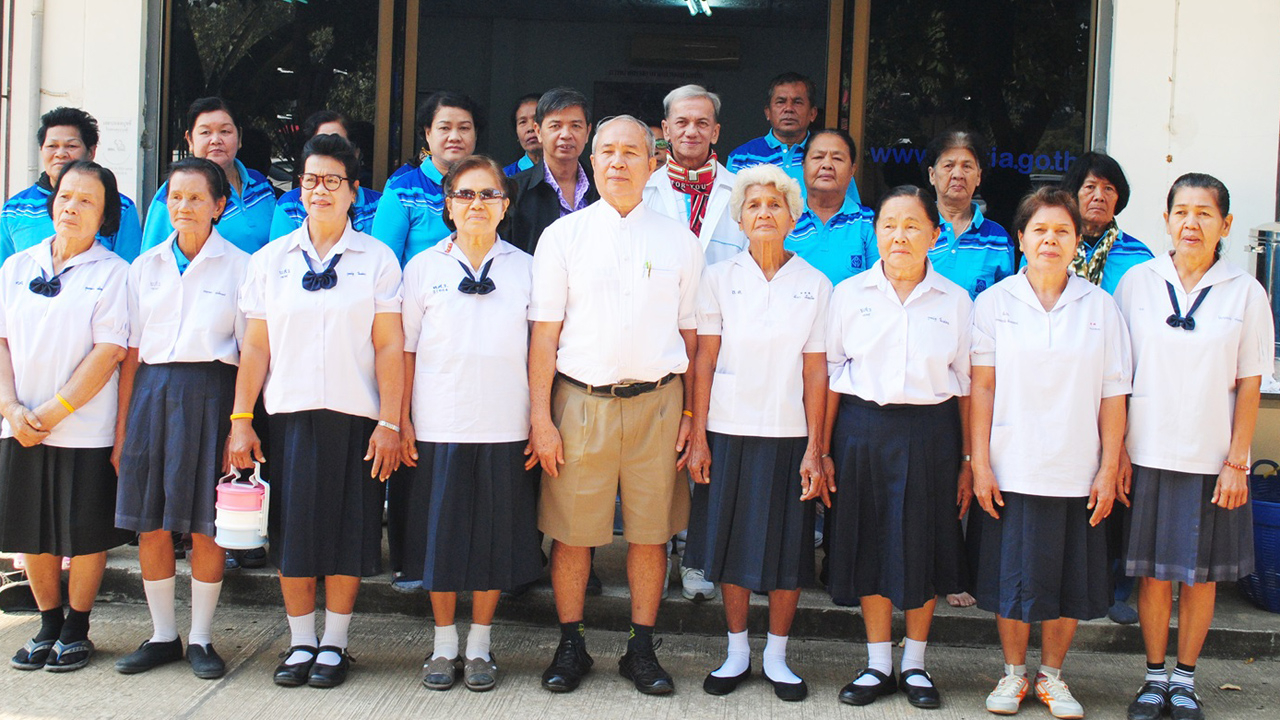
(1009, 686)
(1056, 688)
(645, 660)
(567, 655)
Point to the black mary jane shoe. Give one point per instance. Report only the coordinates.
(789, 692)
(1143, 709)
(330, 676)
(855, 694)
(925, 697)
(715, 685)
(295, 674)
(1190, 711)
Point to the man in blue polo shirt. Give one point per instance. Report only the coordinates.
(524, 120)
(65, 136)
(790, 111)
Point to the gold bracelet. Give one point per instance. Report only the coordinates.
(70, 408)
(1234, 466)
(242, 416)
(688, 413)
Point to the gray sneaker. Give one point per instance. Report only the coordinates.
(479, 674)
(440, 673)
(696, 585)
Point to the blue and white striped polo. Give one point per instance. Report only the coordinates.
(25, 221)
(290, 212)
(524, 163)
(976, 260)
(842, 247)
(772, 151)
(409, 214)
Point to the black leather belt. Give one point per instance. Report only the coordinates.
(619, 390)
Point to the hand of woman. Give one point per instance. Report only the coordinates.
(384, 451)
(682, 442)
(699, 459)
(1103, 494)
(117, 449)
(812, 483)
(408, 444)
(25, 424)
(546, 447)
(1232, 489)
(244, 445)
(829, 474)
(1124, 478)
(964, 488)
(986, 491)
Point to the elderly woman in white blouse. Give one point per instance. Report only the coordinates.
(1051, 369)
(898, 355)
(757, 417)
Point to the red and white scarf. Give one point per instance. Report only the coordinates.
(697, 185)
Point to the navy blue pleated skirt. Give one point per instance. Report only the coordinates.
(326, 511)
(57, 500)
(1042, 561)
(179, 419)
(747, 527)
(894, 528)
(466, 518)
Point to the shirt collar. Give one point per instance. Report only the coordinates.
(215, 246)
(773, 141)
(974, 224)
(300, 239)
(875, 277)
(450, 248)
(43, 254)
(432, 173)
(1221, 271)
(44, 183)
(245, 180)
(1077, 287)
(794, 264)
(636, 215)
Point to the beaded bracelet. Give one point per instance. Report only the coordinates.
(1236, 466)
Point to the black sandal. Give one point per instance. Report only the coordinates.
(32, 656)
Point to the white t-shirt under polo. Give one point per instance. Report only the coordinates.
(322, 355)
(765, 326)
(471, 375)
(1052, 371)
(895, 353)
(624, 287)
(193, 316)
(50, 337)
(1184, 382)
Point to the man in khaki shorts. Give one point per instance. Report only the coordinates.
(613, 304)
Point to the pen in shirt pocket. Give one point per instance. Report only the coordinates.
(648, 269)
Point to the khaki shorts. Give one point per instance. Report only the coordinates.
(614, 445)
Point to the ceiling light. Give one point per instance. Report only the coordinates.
(693, 6)
(706, 7)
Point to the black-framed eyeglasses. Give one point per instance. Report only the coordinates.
(331, 182)
(487, 195)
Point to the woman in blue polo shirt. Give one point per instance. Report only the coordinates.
(214, 134)
(972, 251)
(834, 233)
(290, 212)
(408, 217)
(1106, 252)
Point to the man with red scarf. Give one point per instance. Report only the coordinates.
(694, 187)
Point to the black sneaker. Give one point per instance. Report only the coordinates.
(150, 655)
(570, 664)
(641, 667)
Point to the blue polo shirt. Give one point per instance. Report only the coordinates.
(290, 213)
(246, 222)
(405, 168)
(1126, 252)
(976, 260)
(770, 150)
(524, 163)
(842, 247)
(409, 218)
(25, 221)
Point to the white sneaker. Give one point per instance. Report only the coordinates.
(1055, 693)
(1007, 696)
(696, 585)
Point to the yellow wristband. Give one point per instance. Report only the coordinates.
(241, 416)
(65, 404)
(689, 413)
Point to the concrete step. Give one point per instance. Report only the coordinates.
(1240, 630)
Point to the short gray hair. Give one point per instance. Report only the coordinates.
(688, 92)
(765, 175)
(649, 141)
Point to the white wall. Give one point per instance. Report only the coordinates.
(92, 57)
(1195, 86)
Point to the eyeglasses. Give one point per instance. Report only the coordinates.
(310, 180)
(487, 195)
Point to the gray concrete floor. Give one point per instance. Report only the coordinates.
(385, 681)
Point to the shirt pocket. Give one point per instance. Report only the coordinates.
(724, 397)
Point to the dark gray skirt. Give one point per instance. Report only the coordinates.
(179, 419)
(466, 518)
(1042, 561)
(1175, 533)
(748, 526)
(893, 527)
(326, 512)
(57, 500)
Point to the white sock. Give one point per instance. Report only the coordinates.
(164, 621)
(775, 660)
(477, 641)
(913, 659)
(204, 600)
(335, 634)
(1019, 670)
(1051, 672)
(302, 631)
(446, 642)
(738, 659)
(879, 657)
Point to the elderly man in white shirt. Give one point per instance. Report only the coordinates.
(614, 326)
